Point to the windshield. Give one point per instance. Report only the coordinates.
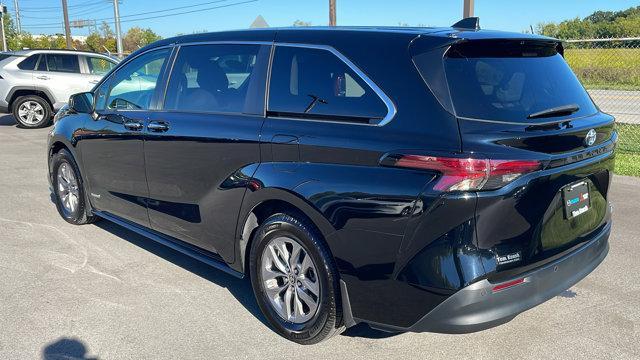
(509, 81)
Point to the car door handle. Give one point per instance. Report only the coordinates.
(94, 81)
(158, 126)
(43, 77)
(133, 125)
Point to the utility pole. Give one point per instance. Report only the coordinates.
(67, 28)
(3, 9)
(332, 12)
(116, 14)
(18, 23)
(468, 9)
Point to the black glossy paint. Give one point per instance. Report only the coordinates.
(396, 241)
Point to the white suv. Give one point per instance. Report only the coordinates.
(36, 83)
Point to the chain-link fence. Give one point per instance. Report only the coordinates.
(610, 70)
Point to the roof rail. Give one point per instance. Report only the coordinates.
(470, 23)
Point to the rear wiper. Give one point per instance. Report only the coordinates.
(555, 111)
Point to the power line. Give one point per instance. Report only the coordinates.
(156, 11)
(96, 8)
(45, 8)
(111, 21)
(90, 9)
(192, 11)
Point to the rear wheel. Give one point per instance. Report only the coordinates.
(69, 190)
(295, 280)
(32, 111)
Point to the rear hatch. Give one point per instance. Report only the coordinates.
(517, 99)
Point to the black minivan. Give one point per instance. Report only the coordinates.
(414, 179)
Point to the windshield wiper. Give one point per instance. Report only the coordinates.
(555, 111)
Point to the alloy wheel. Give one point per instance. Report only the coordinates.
(31, 112)
(290, 280)
(68, 191)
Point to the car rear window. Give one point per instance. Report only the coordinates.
(510, 80)
(5, 56)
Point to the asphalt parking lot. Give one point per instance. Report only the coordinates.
(100, 291)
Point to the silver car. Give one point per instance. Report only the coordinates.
(34, 84)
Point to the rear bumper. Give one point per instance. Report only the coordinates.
(476, 307)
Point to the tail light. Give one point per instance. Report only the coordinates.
(460, 174)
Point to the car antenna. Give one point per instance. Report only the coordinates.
(470, 23)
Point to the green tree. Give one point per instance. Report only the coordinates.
(27, 41)
(137, 37)
(94, 42)
(301, 23)
(102, 40)
(13, 40)
(600, 24)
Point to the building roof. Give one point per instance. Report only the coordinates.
(259, 22)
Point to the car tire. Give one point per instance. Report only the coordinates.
(31, 111)
(303, 328)
(68, 189)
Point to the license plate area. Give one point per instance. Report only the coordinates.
(576, 199)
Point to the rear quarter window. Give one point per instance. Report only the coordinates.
(314, 83)
(98, 65)
(29, 63)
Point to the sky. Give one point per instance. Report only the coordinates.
(45, 16)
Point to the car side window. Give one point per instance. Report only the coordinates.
(315, 83)
(99, 66)
(62, 63)
(133, 84)
(29, 63)
(213, 78)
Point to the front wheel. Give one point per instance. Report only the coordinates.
(295, 280)
(69, 190)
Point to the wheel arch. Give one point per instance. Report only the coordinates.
(58, 142)
(258, 206)
(55, 147)
(19, 91)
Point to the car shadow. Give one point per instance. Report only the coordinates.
(239, 288)
(7, 120)
(66, 348)
(363, 330)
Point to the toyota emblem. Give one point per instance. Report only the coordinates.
(590, 139)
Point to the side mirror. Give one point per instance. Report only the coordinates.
(81, 103)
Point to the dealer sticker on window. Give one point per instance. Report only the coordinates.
(576, 199)
(508, 258)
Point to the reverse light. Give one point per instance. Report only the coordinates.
(467, 174)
